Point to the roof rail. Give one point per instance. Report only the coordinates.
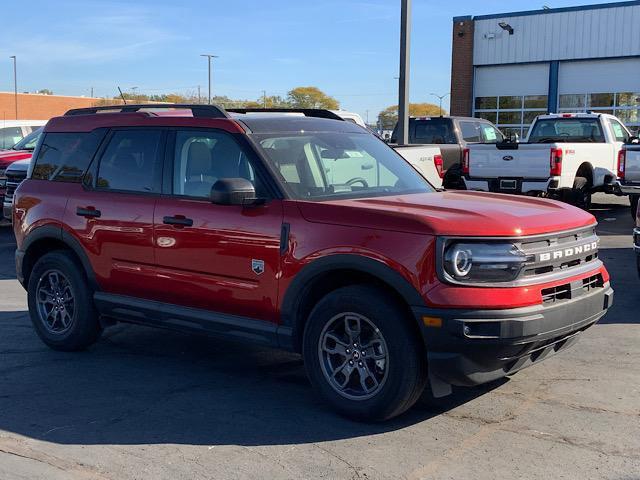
(307, 112)
(200, 111)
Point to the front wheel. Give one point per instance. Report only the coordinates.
(362, 355)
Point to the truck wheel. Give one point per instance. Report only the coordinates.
(453, 178)
(633, 199)
(60, 303)
(580, 194)
(362, 355)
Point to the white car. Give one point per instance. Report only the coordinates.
(350, 117)
(566, 155)
(12, 131)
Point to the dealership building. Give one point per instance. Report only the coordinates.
(510, 67)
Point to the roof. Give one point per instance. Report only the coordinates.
(547, 11)
(79, 121)
(278, 122)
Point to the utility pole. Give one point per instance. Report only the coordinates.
(440, 97)
(403, 90)
(15, 83)
(209, 57)
(91, 92)
(199, 98)
(264, 99)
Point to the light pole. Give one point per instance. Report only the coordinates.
(403, 90)
(440, 97)
(209, 57)
(15, 83)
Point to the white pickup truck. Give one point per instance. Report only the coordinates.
(629, 174)
(566, 156)
(426, 159)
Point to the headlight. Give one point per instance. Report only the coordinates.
(483, 262)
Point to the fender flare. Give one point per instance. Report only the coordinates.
(376, 268)
(59, 234)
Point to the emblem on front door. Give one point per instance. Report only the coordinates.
(257, 266)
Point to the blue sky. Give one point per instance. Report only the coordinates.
(348, 48)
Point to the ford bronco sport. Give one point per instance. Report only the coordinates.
(303, 233)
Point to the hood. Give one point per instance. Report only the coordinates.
(463, 213)
(7, 157)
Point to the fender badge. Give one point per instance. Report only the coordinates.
(257, 266)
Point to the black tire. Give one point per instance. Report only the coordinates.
(453, 178)
(580, 195)
(405, 373)
(633, 200)
(76, 325)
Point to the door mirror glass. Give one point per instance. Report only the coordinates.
(233, 191)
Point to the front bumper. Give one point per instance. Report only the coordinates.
(471, 347)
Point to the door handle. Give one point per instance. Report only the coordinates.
(90, 212)
(178, 220)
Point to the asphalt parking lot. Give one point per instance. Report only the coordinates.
(147, 404)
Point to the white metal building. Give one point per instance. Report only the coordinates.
(551, 60)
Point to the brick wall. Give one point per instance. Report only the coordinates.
(462, 68)
(39, 107)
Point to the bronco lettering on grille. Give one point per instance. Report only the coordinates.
(567, 252)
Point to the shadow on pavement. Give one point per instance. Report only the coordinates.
(145, 386)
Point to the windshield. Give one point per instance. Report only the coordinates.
(28, 142)
(330, 165)
(586, 130)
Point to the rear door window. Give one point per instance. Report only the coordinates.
(132, 162)
(64, 157)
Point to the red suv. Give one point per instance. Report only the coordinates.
(303, 233)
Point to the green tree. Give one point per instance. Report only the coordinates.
(311, 97)
(389, 116)
(45, 91)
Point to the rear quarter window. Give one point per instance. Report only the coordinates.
(64, 157)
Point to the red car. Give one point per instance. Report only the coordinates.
(20, 151)
(303, 233)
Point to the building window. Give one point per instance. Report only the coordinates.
(486, 103)
(624, 105)
(512, 114)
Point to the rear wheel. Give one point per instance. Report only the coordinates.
(61, 304)
(633, 199)
(580, 194)
(362, 355)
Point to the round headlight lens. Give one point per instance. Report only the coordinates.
(461, 261)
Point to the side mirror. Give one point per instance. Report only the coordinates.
(233, 191)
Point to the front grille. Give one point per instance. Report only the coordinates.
(13, 180)
(561, 252)
(568, 291)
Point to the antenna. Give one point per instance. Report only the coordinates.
(122, 95)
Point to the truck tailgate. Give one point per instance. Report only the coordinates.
(525, 161)
(632, 164)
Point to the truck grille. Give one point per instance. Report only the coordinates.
(13, 180)
(561, 252)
